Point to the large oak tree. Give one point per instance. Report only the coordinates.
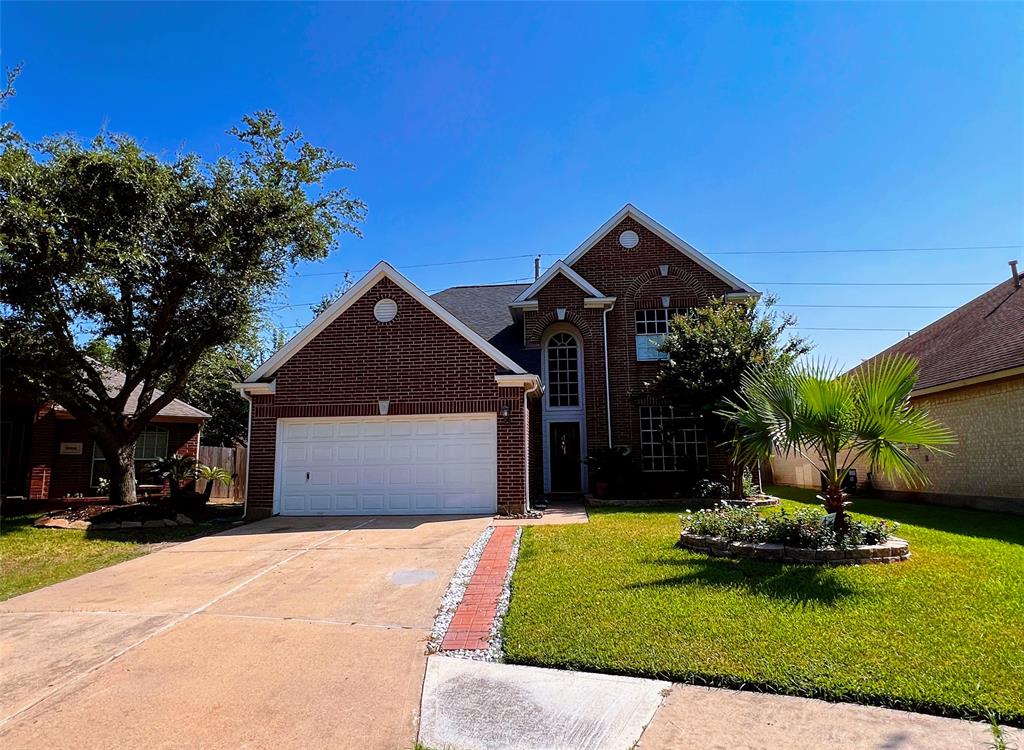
(165, 259)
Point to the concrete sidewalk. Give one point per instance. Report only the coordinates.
(471, 705)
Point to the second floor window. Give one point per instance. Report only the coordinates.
(651, 327)
(563, 370)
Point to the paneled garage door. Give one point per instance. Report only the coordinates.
(387, 465)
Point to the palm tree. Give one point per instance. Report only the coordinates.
(832, 420)
(213, 474)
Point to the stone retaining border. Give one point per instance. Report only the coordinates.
(891, 551)
(153, 523)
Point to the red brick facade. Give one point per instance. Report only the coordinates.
(634, 277)
(53, 476)
(416, 361)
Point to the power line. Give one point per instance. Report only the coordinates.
(868, 250)
(877, 283)
(879, 307)
(827, 328)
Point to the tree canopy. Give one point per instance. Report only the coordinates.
(709, 349)
(164, 259)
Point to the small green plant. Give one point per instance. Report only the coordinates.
(103, 487)
(709, 489)
(998, 738)
(176, 469)
(749, 488)
(212, 475)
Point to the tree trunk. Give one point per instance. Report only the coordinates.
(121, 465)
(735, 474)
(835, 502)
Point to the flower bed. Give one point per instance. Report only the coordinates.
(803, 536)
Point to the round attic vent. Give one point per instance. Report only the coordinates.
(385, 310)
(629, 239)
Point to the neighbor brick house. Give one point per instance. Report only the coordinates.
(48, 454)
(482, 397)
(971, 379)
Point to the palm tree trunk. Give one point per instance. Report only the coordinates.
(835, 502)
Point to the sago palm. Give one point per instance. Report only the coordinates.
(833, 420)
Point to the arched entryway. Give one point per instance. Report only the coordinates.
(564, 414)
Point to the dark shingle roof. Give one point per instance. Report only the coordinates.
(114, 380)
(984, 336)
(485, 310)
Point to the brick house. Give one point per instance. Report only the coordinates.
(971, 379)
(47, 454)
(482, 398)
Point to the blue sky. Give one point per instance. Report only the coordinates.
(491, 130)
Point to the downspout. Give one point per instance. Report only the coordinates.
(526, 422)
(607, 386)
(248, 454)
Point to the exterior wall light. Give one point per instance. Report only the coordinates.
(505, 411)
(383, 405)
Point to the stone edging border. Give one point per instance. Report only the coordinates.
(891, 551)
(153, 523)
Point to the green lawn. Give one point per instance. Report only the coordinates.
(943, 632)
(31, 558)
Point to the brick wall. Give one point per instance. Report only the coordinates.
(987, 462)
(416, 361)
(634, 278)
(52, 475)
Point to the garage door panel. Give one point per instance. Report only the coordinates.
(381, 465)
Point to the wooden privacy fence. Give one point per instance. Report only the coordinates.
(232, 459)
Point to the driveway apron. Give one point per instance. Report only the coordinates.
(301, 632)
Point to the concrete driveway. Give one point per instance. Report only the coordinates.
(304, 632)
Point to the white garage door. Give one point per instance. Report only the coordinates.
(387, 465)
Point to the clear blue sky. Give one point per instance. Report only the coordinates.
(496, 130)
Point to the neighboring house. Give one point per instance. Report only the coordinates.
(480, 398)
(48, 454)
(972, 380)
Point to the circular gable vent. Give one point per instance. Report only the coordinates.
(385, 310)
(629, 239)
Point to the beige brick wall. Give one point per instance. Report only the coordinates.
(988, 460)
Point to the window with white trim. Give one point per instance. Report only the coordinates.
(563, 370)
(651, 327)
(669, 442)
(151, 445)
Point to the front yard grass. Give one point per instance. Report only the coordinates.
(31, 558)
(941, 633)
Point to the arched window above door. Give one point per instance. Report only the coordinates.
(563, 370)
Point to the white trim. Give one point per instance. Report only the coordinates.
(742, 295)
(678, 243)
(528, 305)
(550, 414)
(380, 271)
(598, 303)
(248, 457)
(963, 383)
(256, 389)
(518, 381)
(560, 267)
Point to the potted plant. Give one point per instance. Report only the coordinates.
(609, 467)
(212, 475)
(833, 420)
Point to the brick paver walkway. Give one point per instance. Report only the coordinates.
(471, 626)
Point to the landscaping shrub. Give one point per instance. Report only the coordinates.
(710, 490)
(807, 527)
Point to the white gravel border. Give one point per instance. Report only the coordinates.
(456, 590)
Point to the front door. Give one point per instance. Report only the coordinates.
(564, 445)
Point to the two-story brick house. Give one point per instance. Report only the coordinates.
(482, 397)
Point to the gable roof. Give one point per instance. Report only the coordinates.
(983, 337)
(113, 380)
(380, 271)
(559, 268)
(678, 243)
(485, 309)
